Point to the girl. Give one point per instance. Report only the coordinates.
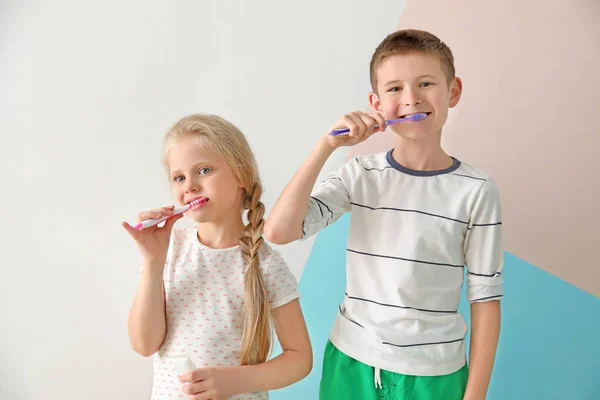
(214, 291)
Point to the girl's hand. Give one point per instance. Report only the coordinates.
(153, 242)
(210, 384)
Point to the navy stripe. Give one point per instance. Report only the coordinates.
(409, 210)
(328, 209)
(320, 202)
(390, 159)
(482, 225)
(395, 306)
(487, 298)
(422, 344)
(372, 169)
(349, 319)
(489, 276)
(471, 177)
(320, 209)
(405, 259)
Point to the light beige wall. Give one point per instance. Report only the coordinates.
(529, 116)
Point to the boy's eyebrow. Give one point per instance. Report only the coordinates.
(391, 82)
(419, 77)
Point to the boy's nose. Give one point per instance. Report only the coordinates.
(410, 98)
(410, 101)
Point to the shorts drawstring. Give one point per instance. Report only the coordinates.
(377, 378)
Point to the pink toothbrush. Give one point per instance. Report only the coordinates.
(179, 210)
(412, 117)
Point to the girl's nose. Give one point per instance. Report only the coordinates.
(191, 186)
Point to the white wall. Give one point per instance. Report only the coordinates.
(87, 89)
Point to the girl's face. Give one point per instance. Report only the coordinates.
(198, 172)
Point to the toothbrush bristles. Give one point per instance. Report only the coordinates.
(198, 202)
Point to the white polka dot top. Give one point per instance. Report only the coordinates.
(204, 291)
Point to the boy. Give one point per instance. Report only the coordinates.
(419, 217)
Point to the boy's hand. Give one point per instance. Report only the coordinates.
(361, 126)
(209, 384)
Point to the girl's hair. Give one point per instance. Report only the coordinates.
(229, 142)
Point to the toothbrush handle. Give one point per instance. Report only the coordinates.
(155, 221)
(387, 121)
(147, 223)
(341, 131)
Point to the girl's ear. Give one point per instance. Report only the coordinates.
(245, 197)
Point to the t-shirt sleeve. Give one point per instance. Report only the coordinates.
(329, 200)
(282, 286)
(484, 251)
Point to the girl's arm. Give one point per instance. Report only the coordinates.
(485, 330)
(147, 324)
(293, 364)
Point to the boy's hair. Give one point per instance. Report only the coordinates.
(222, 137)
(412, 41)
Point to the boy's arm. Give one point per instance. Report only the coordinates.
(284, 224)
(485, 330)
(484, 258)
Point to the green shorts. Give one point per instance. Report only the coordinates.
(345, 378)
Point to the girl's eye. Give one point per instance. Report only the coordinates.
(179, 179)
(394, 89)
(204, 171)
(425, 84)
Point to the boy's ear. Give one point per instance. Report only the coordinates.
(455, 91)
(374, 102)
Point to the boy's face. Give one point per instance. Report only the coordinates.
(411, 83)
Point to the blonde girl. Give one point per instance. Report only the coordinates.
(214, 291)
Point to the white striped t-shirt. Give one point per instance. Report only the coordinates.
(411, 235)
